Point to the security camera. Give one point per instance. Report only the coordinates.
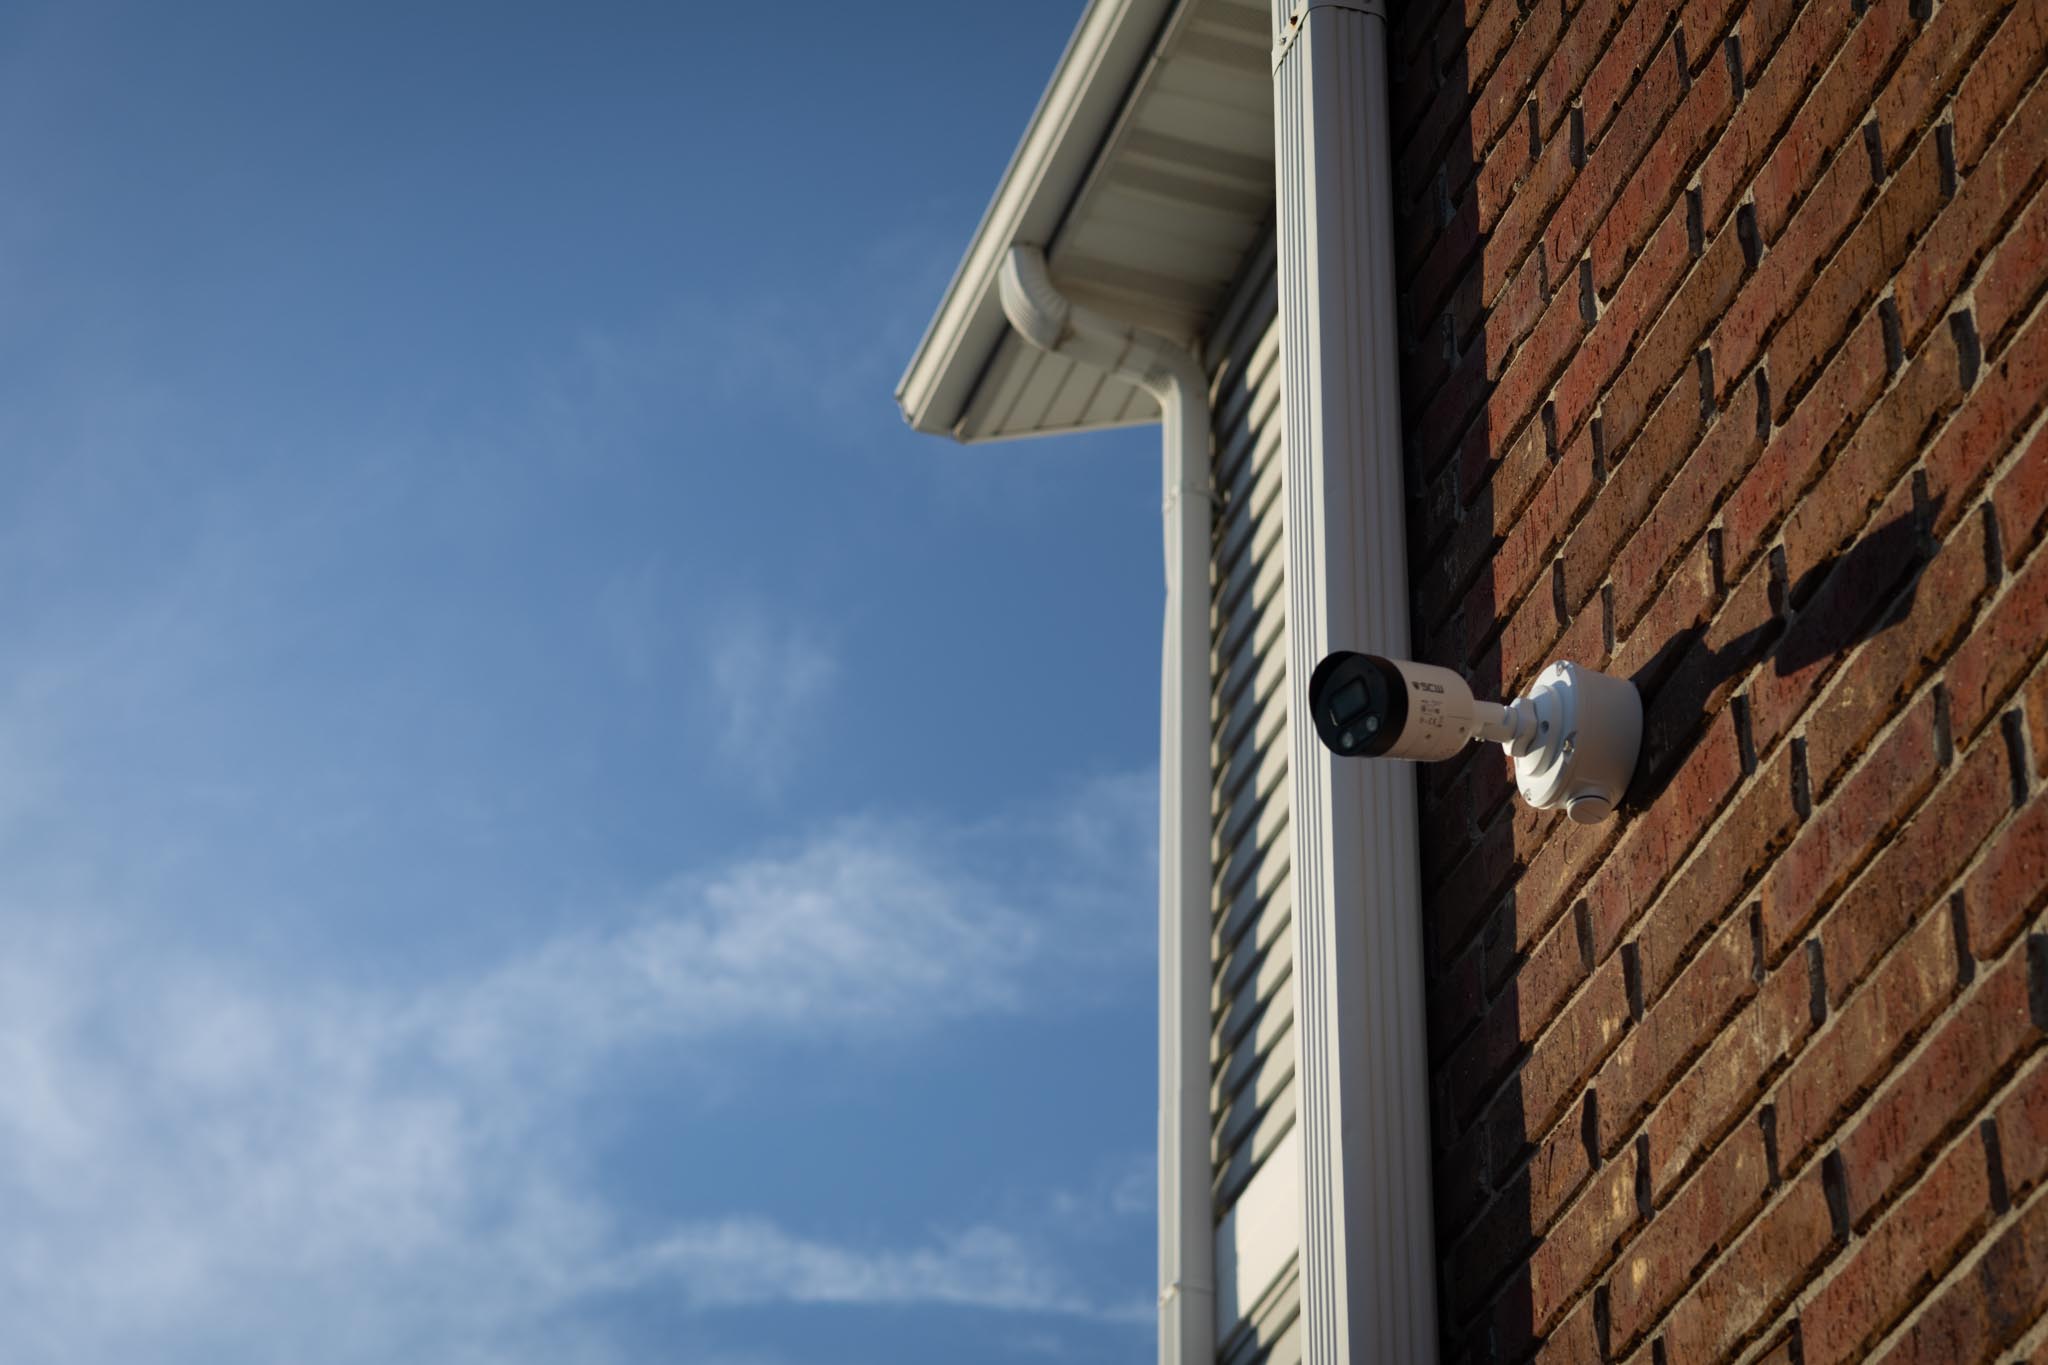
(1573, 738)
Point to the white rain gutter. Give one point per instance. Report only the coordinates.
(1367, 1271)
(1173, 375)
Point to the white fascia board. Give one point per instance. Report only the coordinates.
(1077, 111)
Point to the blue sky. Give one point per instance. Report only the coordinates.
(537, 821)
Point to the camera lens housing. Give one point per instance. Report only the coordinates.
(1366, 706)
(1360, 704)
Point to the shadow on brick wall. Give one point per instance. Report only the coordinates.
(1846, 598)
(1484, 1219)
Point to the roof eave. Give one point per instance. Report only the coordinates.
(1080, 106)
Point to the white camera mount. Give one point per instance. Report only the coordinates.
(1573, 738)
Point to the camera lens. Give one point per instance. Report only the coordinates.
(1358, 703)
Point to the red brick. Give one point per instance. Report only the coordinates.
(1931, 67)
(1890, 665)
(1461, 1183)
(1430, 284)
(1486, 258)
(1858, 1044)
(1657, 180)
(1660, 840)
(1728, 858)
(1781, 1350)
(1473, 1068)
(1757, 1275)
(1506, 249)
(1831, 114)
(1528, 375)
(1687, 597)
(1704, 22)
(1445, 573)
(1593, 36)
(1540, 836)
(1915, 1243)
(1582, 642)
(1852, 592)
(1463, 390)
(1525, 641)
(1763, 24)
(1621, 66)
(1543, 980)
(1984, 1310)
(1573, 1340)
(1799, 449)
(2008, 886)
(1686, 503)
(2037, 721)
(1998, 651)
(1721, 1085)
(1468, 129)
(1583, 1241)
(2012, 277)
(2006, 67)
(2022, 499)
(1495, 1245)
(1987, 197)
(1937, 1091)
(1560, 1165)
(1659, 1264)
(1855, 275)
(1622, 502)
(1667, 353)
(1472, 887)
(1558, 1065)
(1412, 69)
(1504, 1333)
(1776, 91)
(1781, 276)
(1847, 830)
(1872, 461)
(1710, 989)
(1625, 321)
(1454, 1003)
(1997, 411)
(1915, 866)
(1523, 555)
(2022, 1118)
(1611, 161)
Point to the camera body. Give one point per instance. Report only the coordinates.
(1367, 706)
(1574, 737)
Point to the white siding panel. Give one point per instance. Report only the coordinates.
(1252, 1256)
(1252, 1046)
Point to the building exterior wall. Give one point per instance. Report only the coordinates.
(1725, 361)
(1254, 1146)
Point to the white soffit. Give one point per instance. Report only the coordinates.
(1147, 173)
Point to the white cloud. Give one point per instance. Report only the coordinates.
(196, 1163)
(746, 1262)
(767, 677)
(863, 927)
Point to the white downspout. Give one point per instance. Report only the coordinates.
(1367, 1270)
(1173, 375)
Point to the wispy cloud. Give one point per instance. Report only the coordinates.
(197, 1162)
(749, 1262)
(767, 675)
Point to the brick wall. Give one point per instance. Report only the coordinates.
(1725, 365)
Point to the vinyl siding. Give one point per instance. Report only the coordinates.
(1252, 996)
